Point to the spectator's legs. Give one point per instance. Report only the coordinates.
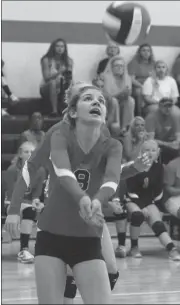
(127, 112)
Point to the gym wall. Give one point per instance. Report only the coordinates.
(28, 27)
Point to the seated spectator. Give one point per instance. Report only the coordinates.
(117, 83)
(6, 91)
(30, 202)
(172, 187)
(140, 68)
(176, 71)
(164, 126)
(34, 134)
(56, 68)
(111, 50)
(134, 139)
(144, 191)
(112, 119)
(158, 86)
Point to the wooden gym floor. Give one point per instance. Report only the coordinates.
(154, 279)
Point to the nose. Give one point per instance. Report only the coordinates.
(96, 102)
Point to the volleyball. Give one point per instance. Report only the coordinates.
(126, 22)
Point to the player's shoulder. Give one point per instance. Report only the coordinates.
(12, 168)
(60, 129)
(114, 144)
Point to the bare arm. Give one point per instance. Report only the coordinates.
(46, 71)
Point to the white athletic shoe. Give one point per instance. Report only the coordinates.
(14, 98)
(134, 252)
(120, 251)
(174, 255)
(25, 257)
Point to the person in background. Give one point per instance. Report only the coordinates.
(57, 69)
(163, 125)
(34, 134)
(117, 83)
(112, 116)
(176, 73)
(6, 91)
(111, 50)
(132, 143)
(159, 85)
(30, 203)
(144, 192)
(172, 187)
(140, 68)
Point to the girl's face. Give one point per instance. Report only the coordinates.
(112, 50)
(145, 52)
(151, 149)
(161, 69)
(118, 67)
(59, 48)
(25, 151)
(91, 107)
(139, 128)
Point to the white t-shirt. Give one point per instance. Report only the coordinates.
(162, 88)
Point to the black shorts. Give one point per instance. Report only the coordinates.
(71, 250)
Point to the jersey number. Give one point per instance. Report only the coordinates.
(83, 177)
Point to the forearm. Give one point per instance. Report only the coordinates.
(136, 83)
(173, 191)
(149, 100)
(17, 196)
(128, 170)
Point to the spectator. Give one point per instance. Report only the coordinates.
(111, 50)
(140, 68)
(117, 84)
(57, 74)
(134, 139)
(30, 203)
(6, 91)
(143, 191)
(176, 71)
(164, 125)
(112, 119)
(158, 86)
(172, 187)
(34, 134)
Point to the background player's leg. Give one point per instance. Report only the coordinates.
(28, 216)
(70, 289)
(173, 206)
(155, 221)
(93, 282)
(109, 256)
(136, 219)
(121, 228)
(50, 279)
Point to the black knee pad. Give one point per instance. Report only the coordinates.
(29, 214)
(158, 227)
(71, 288)
(137, 218)
(121, 216)
(113, 279)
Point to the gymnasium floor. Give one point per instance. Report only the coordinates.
(154, 279)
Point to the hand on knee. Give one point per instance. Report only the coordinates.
(137, 218)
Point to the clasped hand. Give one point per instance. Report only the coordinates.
(91, 211)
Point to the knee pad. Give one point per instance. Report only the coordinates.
(113, 279)
(137, 218)
(29, 214)
(70, 289)
(158, 227)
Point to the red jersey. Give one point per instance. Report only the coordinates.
(73, 173)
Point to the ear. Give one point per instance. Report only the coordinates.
(73, 113)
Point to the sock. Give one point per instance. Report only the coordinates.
(134, 243)
(170, 246)
(121, 238)
(24, 240)
(7, 90)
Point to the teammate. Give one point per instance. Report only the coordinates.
(30, 203)
(143, 194)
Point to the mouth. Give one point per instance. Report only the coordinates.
(95, 111)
